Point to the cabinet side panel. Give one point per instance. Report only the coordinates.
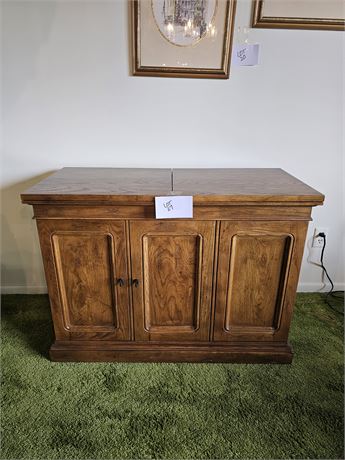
(172, 270)
(85, 264)
(258, 267)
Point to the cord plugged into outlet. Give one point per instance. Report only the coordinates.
(318, 234)
(318, 239)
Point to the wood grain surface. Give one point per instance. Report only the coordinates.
(173, 263)
(85, 265)
(264, 353)
(219, 287)
(240, 185)
(100, 184)
(228, 211)
(140, 186)
(83, 262)
(257, 279)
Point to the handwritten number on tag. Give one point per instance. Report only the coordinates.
(168, 205)
(241, 54)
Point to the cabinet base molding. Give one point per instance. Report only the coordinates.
(107, 352)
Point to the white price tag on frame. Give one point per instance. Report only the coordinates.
(244, 54)
(174, 207)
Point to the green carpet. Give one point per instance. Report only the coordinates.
(173, 411)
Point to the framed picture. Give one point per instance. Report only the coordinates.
(299, 14)
(182, 38)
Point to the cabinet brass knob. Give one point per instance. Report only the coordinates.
(120, 282)
(135, 282)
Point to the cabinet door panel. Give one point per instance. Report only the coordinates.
(173, 261)
(172, 269)
(84, 263)
(84, 260)
(257, 276)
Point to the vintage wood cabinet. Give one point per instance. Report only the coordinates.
(124, 286)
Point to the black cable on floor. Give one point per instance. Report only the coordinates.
(334, 294)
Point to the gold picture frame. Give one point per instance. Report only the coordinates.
(304, 14)
(198, 47)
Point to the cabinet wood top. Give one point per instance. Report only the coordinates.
(134, 185)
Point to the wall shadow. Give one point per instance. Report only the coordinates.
(21, 264)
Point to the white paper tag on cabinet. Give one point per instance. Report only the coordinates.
(244, 54)
(174, 207)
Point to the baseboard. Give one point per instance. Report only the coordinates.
(319, 287)
(302, 287)
(24, 290)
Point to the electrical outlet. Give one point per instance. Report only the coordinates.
(318, 241)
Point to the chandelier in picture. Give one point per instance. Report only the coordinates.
(185, 22)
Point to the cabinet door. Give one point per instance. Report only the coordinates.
(257, 278)
(84, 262)
(173, 265)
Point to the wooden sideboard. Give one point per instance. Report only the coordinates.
(124, 286)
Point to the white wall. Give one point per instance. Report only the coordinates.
(69, 100)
